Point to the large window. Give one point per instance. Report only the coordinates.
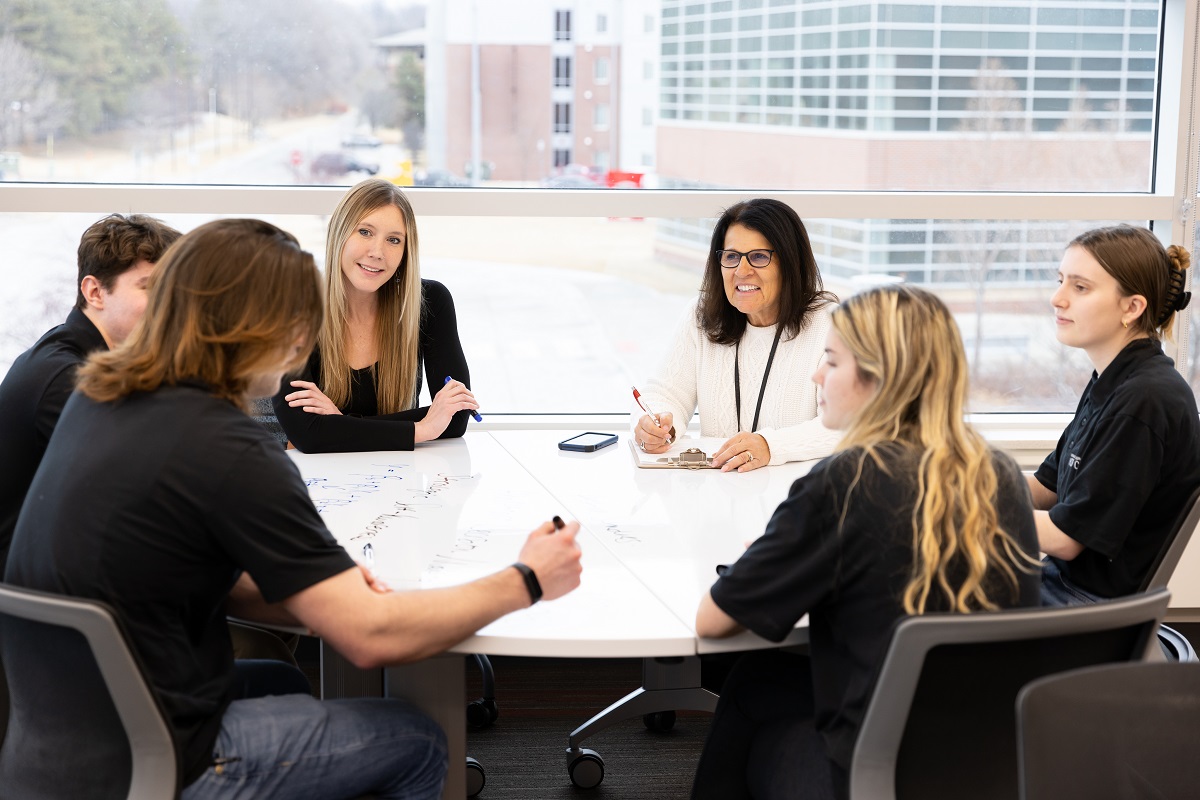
(954, 145)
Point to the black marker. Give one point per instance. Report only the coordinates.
(558, 523)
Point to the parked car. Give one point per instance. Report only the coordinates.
(440, 177)
(334, 165)
(573, 181)
(361, 140)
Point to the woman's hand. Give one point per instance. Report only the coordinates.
(744, 452)
(452, 398)
(653, 438)
(310, 399)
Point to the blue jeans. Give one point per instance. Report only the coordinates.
(1057, 591)
(296, 747)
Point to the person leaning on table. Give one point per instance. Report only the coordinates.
(914, 513)
(159, 496)
(383, 327)
(1124, 469)
(747, 354)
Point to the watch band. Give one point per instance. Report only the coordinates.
(531, 581)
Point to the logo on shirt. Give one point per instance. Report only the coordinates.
(1074, 461)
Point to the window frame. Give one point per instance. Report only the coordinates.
(1169, 207)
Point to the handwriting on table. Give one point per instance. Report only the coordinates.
(329, 493)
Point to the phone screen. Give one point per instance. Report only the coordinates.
(588, 441)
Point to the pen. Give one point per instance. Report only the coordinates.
(368, 553)
(474, 414)
(558, 522)
(645, 407)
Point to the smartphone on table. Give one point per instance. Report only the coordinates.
(588, 442)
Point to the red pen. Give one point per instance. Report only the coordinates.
(638, 397)
(645, 407)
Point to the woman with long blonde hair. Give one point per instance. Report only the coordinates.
(384, 325)
(913, 513)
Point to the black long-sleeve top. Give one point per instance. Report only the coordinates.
(360, 427)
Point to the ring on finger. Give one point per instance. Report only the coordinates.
(642, 444)
(749, 456)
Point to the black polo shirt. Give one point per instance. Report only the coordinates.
(32, 397)
(1124, 469)
(849, 574)
(155, 504)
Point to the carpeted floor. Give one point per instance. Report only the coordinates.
(540, 702)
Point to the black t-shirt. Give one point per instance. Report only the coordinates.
(155, 504)
(357, 429)
(851, 581)
(32, 397)
(1124, 469)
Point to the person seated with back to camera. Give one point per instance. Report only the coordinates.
(159, 496)
(914, 513)
(383, 322)
(1110, 494)
(746, 355)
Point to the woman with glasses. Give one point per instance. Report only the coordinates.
(913, 514)
(747, 354)
(1110, 494)
(382, 324)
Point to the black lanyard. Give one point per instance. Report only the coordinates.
(737, 380)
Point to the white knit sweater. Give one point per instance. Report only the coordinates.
(698, 373)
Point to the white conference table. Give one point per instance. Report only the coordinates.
(455, 510)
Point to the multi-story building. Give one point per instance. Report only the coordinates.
(531, 88)
(1052, 95)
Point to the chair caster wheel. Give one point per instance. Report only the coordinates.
(475, 777)
(659, 721)
(585, 767)
(482, 713)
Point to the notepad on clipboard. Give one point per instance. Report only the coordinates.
(685, 453)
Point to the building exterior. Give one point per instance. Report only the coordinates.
(532, 88)
(1048, 95)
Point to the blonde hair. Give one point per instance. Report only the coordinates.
(398, 324)
(226, 303)
(907, 345)
(1141, 265)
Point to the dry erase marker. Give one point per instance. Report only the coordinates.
(474, 414)
(558, 523)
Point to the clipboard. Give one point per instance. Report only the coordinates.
(686, 453)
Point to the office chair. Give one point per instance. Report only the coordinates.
(84, 721)
(1119, 730)
(1173, 645)
(941, 722)
(668, 684)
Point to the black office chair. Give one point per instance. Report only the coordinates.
(84, 722)
(1173, 645)
(941, 724)
(1120, 730)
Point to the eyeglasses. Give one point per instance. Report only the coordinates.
(730, 259)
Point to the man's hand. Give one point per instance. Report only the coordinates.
(553, 555)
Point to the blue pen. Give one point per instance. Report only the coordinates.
(474, 414)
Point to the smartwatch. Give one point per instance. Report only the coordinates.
(531, 582)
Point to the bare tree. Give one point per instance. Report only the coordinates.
(29, 104)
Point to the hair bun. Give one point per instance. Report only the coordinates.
(1180, 258)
